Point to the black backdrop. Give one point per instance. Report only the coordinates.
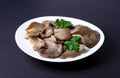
(105, 63)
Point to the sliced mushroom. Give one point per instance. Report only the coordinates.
(34, 29)
(73, 53)
(49, 23)
(37, 43)
(53, 50)
(82, 30)
(62, 34)
(47, 32)
(91, 39)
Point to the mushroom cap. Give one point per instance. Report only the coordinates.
(53, 49)
(62, 34)
(82, 30)
(47, 32)
(73, 53)
(34, 29)
(49, 23)
(37, 43)
(90, 37)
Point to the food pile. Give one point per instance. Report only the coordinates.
(60, 38)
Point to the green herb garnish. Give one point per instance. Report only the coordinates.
(62, 23)
(72, 44)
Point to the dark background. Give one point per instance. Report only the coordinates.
(105, 63)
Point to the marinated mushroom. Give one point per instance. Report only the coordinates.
(90, 37)
(47, 32)
(82, 30)
(34, 29)
(62, 34)
(37, 43)
(73, 53)
(49, 23)
(53, 50)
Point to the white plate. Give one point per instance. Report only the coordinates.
(24, 45)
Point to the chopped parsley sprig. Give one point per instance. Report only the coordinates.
(62, 23)
(72, 44)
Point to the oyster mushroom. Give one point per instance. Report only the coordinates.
(37, 43)
(73, 53)
(82, 30)
(34, 29)
(53, 50)
(62, 34)
(90, 37)
(47, 32)
(49, 23)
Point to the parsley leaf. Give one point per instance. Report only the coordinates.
(58, 22)
(72, 44)
(75, 38)
(62, 23)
